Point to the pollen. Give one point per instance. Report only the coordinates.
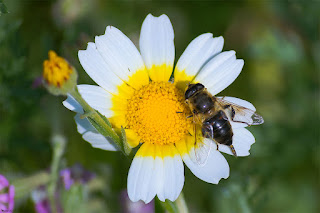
(158, 114)
(56, 70)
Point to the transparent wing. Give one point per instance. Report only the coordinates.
(240, 114)
(201, 147)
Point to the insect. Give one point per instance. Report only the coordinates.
(213, 116)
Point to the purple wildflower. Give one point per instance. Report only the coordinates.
(75, 174)
(6, 195)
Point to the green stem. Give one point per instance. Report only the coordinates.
(97, 121)
(58, 145)
(181, 204)
(178, 206)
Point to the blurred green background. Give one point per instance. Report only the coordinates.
(279, 41)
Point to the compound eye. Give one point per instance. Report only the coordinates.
(192, 89)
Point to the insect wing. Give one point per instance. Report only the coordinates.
(201, 147)
(240, 114)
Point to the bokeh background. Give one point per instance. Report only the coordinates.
(279, 41)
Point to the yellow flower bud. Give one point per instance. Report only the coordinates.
(59, 76)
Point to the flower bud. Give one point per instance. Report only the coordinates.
(58, 75)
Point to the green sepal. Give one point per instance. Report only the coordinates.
(127, 149)
(99, 128)
(104, 118)
(103, 132)
(86, 114)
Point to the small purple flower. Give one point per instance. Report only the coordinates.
(41, 200)
(6, 195)
(75, 174)
(135, 207)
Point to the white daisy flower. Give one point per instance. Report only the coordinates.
(135, 92)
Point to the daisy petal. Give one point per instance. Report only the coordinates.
(198, 52)
(97, 98)
(98, 141)
(220, 72)
(157, 47)
(215, 168)
(121, 56)
(71, 104)
(143, 173)
(241, 141)
(156, 169)
(90, 134)
(93, 63)
(173, 174)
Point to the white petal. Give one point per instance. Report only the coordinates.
(93, 63)
(141, 179)
(220, 72)
(83, 125)
(173, 174)
(156, 43)
(242, 141)
(98, 141)
(91, 135)
(71, 104)
(198, 52)
(120, 54)
(155, 170)
(215, 168)
(98, 98)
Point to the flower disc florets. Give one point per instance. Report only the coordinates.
(158, 114)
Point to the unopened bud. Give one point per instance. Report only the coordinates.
(59, 76)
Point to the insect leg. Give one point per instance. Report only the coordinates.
(233, 150)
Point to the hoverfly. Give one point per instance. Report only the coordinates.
(213, 116)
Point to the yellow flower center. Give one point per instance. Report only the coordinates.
(56, 70)
(158, 114)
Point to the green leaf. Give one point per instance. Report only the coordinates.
(3, 8)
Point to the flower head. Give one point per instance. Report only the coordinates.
(59, 76)
(6, 195)
(75, 174)
(136, 91)
(40, 199)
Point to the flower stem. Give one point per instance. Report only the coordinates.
(181, 204)
(178, 206)
(97, 121)
(58, 144)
